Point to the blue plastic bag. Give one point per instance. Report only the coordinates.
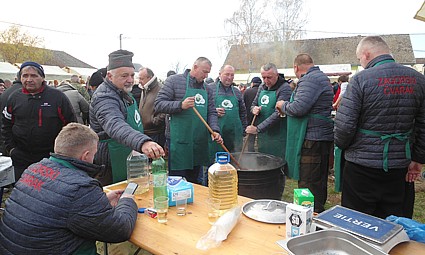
(414, 229)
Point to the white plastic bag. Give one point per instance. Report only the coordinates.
(220, 230)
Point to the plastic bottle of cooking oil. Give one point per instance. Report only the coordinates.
(223, 182)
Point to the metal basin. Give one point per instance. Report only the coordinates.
(328, 242)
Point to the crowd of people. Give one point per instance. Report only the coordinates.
(67, 143)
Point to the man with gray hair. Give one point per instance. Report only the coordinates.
(380, 124)
(153, 122)
(75, 82)
(115, 117)
(271, 127)
(187, 136)
(32, 118)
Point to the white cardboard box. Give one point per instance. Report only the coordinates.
(298, 220)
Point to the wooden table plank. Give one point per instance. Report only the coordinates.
(181, 233)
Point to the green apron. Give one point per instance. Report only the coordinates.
(337, 168)
(230, 124)
(273, 140)
(188, 135)
(297, 127)
(119, 152)
(387, 139)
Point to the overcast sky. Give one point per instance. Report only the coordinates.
(164, 33)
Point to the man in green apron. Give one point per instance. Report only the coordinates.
(271, 127)
(187, 135)
(231, 111)
(380, 125)
(310, 129)
(115, 117)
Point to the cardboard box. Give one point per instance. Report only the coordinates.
(177, 186)
(298, 220)
(304, 197)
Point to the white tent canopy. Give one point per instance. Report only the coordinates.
(80, 71)
(8, 71)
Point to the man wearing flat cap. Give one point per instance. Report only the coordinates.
(115, 117)
(33, 117)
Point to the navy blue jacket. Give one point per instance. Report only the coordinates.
(313, 95)
(56, 207)
(170, 97)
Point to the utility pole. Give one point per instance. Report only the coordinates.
(120, 41)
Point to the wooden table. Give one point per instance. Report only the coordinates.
(181, 233)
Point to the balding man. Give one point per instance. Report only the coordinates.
(310, 129)
(381, 126)
(231, 110)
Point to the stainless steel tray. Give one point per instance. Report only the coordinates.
(266, 210)
(326, 242)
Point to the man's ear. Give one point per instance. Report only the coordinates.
(84, 155)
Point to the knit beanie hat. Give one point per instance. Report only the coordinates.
(37, 66)
(120, 58)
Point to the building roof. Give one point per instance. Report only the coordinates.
(62, 59)
(326, 51)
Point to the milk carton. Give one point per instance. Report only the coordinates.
(304, 197)
(179, 187)
(298, 220)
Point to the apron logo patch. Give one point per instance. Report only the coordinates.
(265, 99)
(199, 99)
(136, 116)
(227, 104)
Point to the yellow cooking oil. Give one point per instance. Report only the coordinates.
(223, 182)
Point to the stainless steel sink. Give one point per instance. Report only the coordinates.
(328, 242)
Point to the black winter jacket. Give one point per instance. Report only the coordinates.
(32, 122)
(386, 98)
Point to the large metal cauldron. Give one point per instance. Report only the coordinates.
(261, 176)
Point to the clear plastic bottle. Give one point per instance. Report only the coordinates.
(138, 171)
(223, 182)
(159, 176)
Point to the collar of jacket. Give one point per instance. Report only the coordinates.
(42, 88)
(91, 169)
(123, 95)
(278, 83)
(192, 81)
(150, 84)
(378, 59)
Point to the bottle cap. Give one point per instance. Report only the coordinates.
(222, 157)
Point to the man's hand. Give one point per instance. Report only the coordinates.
(414, 171)
(114, 195)
(217, 137)
(189, 102)
(256, 110)
(152, 150)
(251, 130)
(220, 112)
(279, 105)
